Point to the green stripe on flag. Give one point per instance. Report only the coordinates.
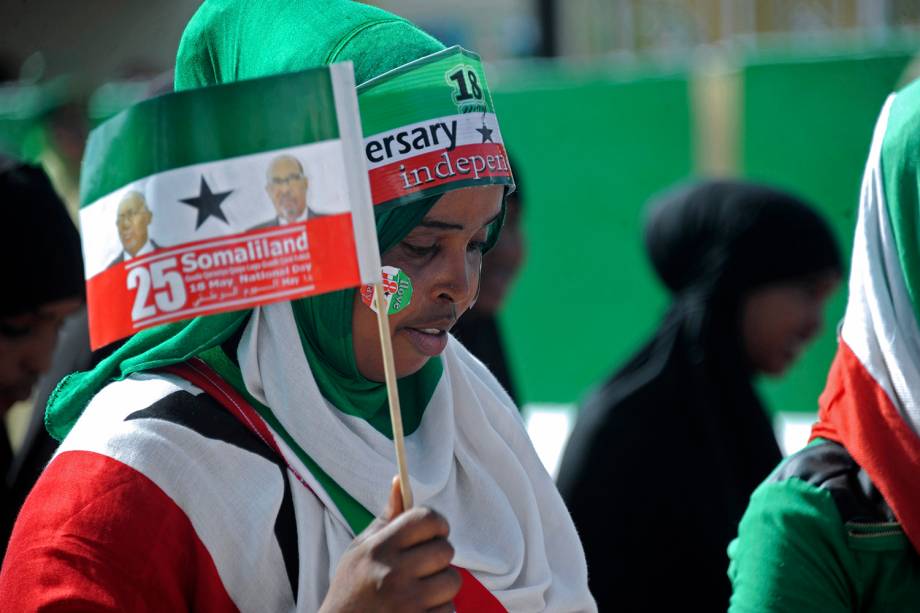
(206, 125)
(900, 168)
(445, 83)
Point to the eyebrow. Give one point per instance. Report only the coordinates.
(444, 225)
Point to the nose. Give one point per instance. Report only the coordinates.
(38, 358)
(459, 278)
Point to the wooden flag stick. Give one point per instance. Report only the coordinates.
(389, 370)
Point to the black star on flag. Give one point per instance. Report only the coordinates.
(486, 133)
(207, 203)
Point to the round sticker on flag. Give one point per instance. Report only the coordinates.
(397, 291)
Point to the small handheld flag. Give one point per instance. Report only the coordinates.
(225, 198)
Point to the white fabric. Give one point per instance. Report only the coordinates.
(880, 325)
(231, 496)
(470, 459)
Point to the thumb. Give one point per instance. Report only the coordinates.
(394, 505)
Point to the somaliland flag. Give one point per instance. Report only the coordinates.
(871, 404)
(225, 198)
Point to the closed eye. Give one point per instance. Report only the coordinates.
(420, 250)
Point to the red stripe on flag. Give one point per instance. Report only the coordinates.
(465, 163)
(95, 534)
(857, 413)
(222, 274)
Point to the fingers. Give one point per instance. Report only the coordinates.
(439, 589)
(394, 505)
(428, 558)
(415, 526)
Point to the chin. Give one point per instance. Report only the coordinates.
(777, 369)
(405, 368)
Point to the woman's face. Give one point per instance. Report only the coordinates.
(442, 257)
(779, 320)
(27, 343)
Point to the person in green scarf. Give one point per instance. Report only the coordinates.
(836, 526)
(238, 461)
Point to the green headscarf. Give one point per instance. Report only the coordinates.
(230, 40)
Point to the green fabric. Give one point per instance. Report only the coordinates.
(208, 125)
(229, 40)
(900, 166)
(794, 553)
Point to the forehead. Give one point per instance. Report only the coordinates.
(131, 202)
(470, 207)
(283, 167)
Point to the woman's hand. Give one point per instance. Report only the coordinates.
(401, 562)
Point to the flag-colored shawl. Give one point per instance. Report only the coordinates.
(871, 404)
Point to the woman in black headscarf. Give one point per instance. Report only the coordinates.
(664, 456)
(42, 286)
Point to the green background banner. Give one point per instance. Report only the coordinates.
(590, 153)
(806, 126)
(592, 147)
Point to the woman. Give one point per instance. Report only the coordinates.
(171, 503)
(38, 297)
(664, 456)
(837, 526)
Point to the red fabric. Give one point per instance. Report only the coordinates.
(474, 597)
(97, 535)
(858, 414)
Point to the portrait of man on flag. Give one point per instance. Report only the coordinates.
(287, 186)
(133, 223)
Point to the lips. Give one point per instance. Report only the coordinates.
(430, 338)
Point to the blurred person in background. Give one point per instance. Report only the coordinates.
(837, 526)
(479, 329)
(43, 285)
(664, 455)
(72, 353)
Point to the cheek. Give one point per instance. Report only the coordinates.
(9, 365)
(364, 322)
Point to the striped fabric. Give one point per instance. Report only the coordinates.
(872, 401)
(198, 511)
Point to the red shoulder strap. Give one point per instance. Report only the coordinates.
(197, 372)
(473, 596)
